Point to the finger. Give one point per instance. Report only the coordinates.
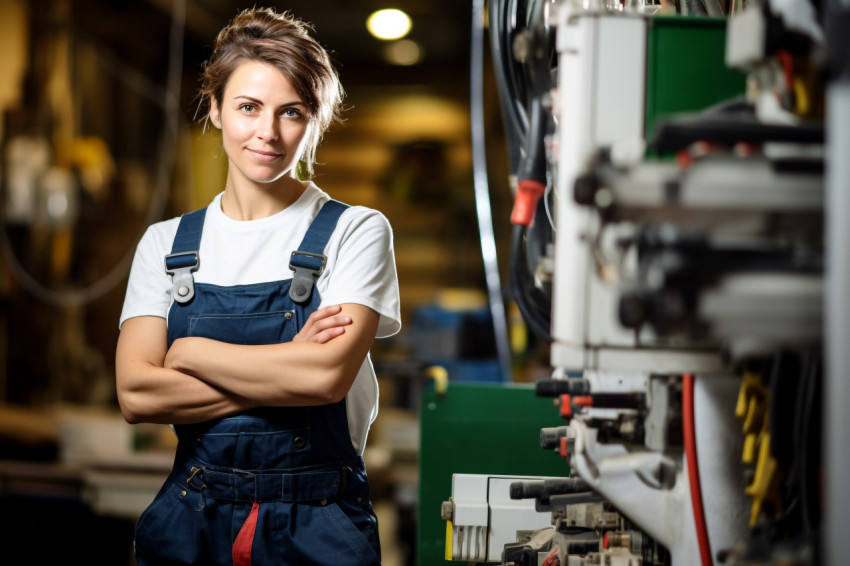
(319, 336)
(325, 312)
(324, 326)
(328, 335)
(320, 321)
(331, 322)
(321, 314)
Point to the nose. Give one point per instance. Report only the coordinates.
(267, 127)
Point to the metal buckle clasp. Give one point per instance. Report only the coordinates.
(181, 266)
(306, 271)
(195, 472)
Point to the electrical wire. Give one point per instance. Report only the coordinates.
(533, 180)
(553, 559)
(168, 145)
(531, 301)
(516, 84)
(533, 166)
(689, 433)
(553, 193)
(502, 19)
(806, 438)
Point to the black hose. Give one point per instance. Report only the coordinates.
(808, 455)
(695, 7)
(511, 94)
(534, 305)
(513, 24)
(533, 165)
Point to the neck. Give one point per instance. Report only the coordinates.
(250, 201)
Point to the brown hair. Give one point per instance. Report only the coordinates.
(261, 34)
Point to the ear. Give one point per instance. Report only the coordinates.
(215, 113)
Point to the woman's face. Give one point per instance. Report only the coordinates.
(263, 122)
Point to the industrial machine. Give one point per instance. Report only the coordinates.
(670, 169)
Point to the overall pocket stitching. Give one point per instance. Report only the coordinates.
(356, 540)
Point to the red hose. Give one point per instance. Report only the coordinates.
(689, 431)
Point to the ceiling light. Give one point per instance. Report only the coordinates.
(403, 52)
(388, 24)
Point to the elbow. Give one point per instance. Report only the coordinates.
(130, 399)
(335, 386)
(131, 418)
(131, 409)
(336, 395)
(129, 415)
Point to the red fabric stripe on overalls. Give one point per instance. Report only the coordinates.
(245, 538)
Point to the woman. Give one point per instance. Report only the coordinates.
(247, 325)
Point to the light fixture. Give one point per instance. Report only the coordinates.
(403, 52)
(388, 24)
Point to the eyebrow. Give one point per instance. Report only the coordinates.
(260, 102)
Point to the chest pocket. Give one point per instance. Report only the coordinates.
(258, 328)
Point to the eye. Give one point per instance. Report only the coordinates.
(291, 112)
(247, 108)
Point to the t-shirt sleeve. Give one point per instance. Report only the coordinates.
(364, 270)
(149, 287)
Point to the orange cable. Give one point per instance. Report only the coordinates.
(689, 431)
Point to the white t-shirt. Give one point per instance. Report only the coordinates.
(360, 269)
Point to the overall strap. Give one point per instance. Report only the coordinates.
(308, 262)
(184, 259)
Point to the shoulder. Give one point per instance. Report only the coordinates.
(160, 235)
(356, 217)
(362, 228)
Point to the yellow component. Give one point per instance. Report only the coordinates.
(517, 330)
(518, 333)
(441, 378)
(750, 386)
(755, 415)
(765, 486)
(801, 97)
(449, 534)
(749, 448)
(751, 407)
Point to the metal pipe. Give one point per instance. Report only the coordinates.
(482, 193)
(836, 390)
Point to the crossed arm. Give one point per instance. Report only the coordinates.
(199, 379)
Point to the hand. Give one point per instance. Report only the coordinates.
(323, 325)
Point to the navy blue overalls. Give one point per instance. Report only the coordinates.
(274, 485)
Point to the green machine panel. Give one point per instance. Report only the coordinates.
(686, 69)
(477, 429)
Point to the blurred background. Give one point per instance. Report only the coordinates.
(100, 137)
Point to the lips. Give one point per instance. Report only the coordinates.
(264, 155)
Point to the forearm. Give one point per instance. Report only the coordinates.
(289, 374)
(149, 392)
(161, 395)
(294, 373)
